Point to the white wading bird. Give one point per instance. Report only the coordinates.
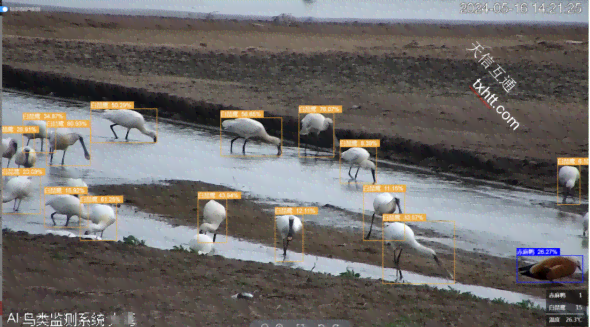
(384, 203)
(213, 216)
(101, 216)
(17, 189)
(61, 139)
(25, 157)
(201, 243)
(585, 224)
(288, 226)
(128, 119)
(69, 206)
(358, 157)
(42, 131)
(314, 123)
(398, 240)
(9, 147)
(247, 129)
(75, 182)
(568, 176)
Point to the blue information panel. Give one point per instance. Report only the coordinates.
(537, 251)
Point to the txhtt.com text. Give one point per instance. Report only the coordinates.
(489, 99)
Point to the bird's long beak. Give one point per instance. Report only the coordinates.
(440, 265)
(374, 178)
(86, 154)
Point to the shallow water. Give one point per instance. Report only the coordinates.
(160, 234)
(487, 218)
(447, 10)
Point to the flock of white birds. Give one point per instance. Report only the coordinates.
(397, 235)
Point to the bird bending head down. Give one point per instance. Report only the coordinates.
(276, 141)
(368, 164)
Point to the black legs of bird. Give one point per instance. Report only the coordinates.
(62, 158)
(126, 135)
(231, 146)
(399, 275)
(371, 228)
(214, 237)
(14, 206)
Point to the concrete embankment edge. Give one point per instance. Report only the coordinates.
(538, 174)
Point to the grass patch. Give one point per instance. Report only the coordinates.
(132, 240)
(349, 273)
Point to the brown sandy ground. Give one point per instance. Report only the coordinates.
(408, 80)
(48, 273)
(177, 203)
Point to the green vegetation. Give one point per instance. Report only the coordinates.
(132, 240)
(349, 273)
(180, 248)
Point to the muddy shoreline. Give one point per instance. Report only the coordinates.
(166, 288)
(176, 202)
(388, 79)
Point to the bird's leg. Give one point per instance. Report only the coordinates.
(214, 237)
(285, 249)
(14, 205)
(371, 228)
(244, 146)
(401, 276)
(8, 164)
(28, 142)
(564, 196)
(51, 159)
(113, 125)
(127, 135)
(231, 146)
(101, 233)
(67, 220)
(42, 142)
(63, 157)
(19, 202)
(349, 172)
(54, 223)
(357, 172)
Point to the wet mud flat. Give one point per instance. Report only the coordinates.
(406, 84)
(176, 201)
(49, 273)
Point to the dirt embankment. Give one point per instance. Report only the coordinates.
(165, 288)
(407, 85)
(177, 202)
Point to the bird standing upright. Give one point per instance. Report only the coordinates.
(384, 203)
(567, 177)
(42, 131)
(288, 226)
(213, 215)
(26, 157)
(9, 147)
(314, 123)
